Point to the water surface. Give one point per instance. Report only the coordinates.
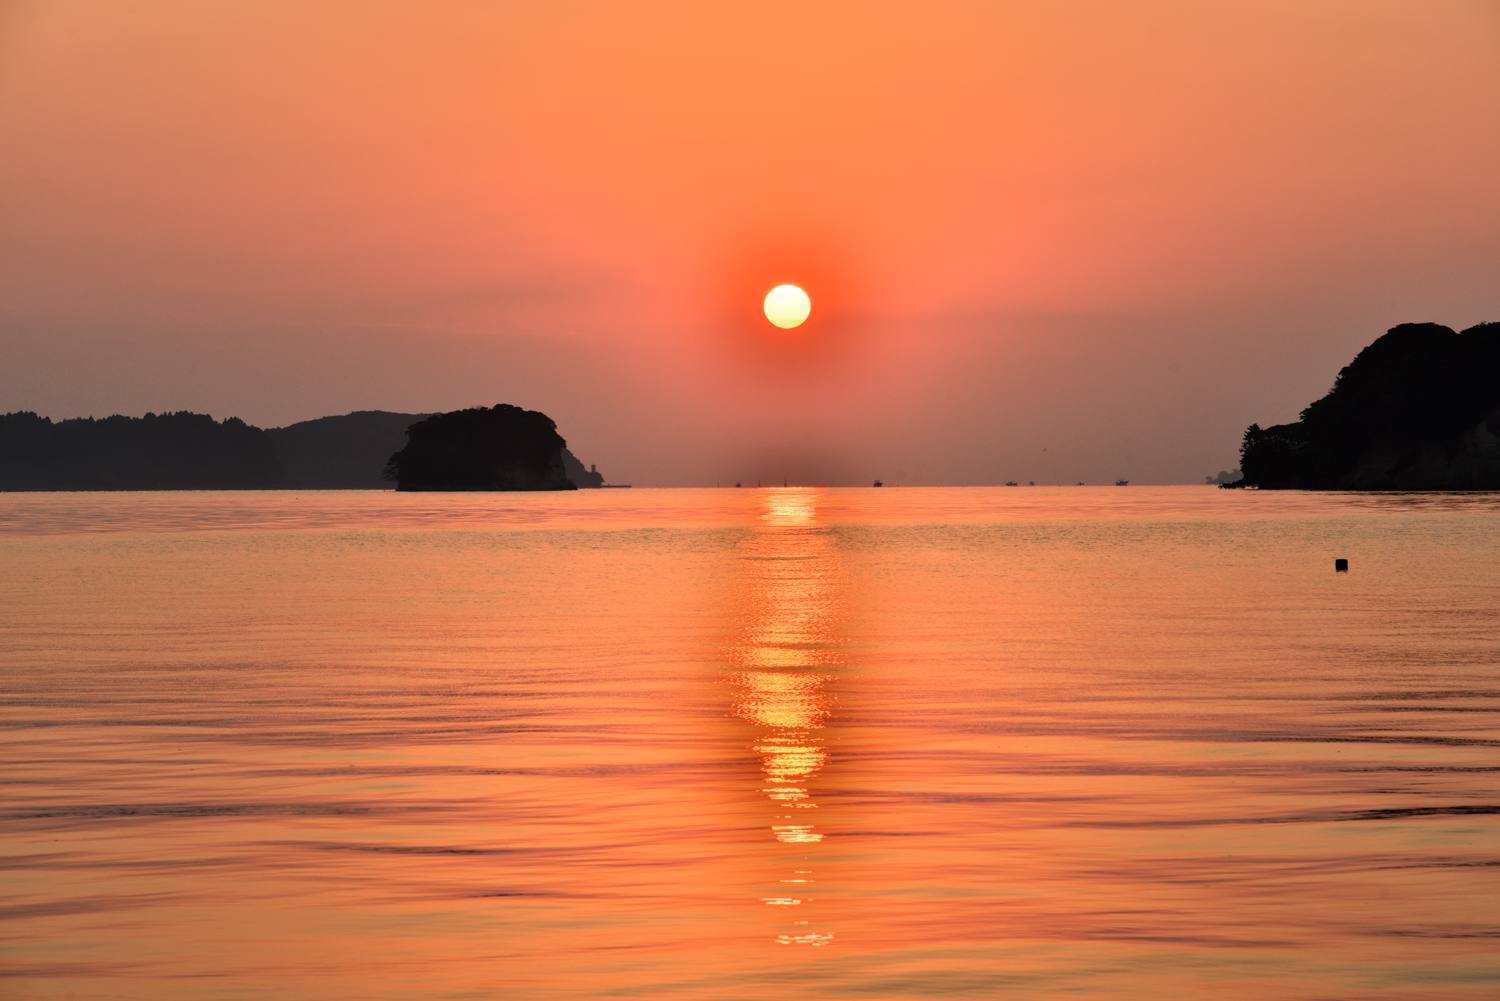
(799, 743)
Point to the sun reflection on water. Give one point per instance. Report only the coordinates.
(787, 653)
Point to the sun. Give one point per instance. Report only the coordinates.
(787, 306)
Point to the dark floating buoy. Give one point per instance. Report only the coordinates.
(1340, 565)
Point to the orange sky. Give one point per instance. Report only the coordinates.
(1043, 241)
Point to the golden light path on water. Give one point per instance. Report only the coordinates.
(792, 592)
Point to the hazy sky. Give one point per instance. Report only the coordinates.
(1043, 241)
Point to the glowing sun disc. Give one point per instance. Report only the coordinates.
(787, 306)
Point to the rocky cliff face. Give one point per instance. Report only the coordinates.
(583, 479)
(1419, 409)
(483, 448)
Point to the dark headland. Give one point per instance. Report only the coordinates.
(188, 451)
(1419, 409)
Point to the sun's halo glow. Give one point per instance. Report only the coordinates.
(787, 306)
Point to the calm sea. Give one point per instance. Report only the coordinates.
(792, 743)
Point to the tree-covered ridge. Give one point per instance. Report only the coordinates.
(168, 451)
(1418, 409)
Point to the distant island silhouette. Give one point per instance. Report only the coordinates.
(1419, 409)
(483, 448)
(190, 451)
(352, 450)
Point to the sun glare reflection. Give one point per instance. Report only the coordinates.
(789, 645)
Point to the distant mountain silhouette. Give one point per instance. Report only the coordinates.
(482, 448)
(349, 451)
(155, 452)
(193, 451)
(1419, 409)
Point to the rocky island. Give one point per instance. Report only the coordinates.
(483, 448)
(1418, 409)
(352, 450)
